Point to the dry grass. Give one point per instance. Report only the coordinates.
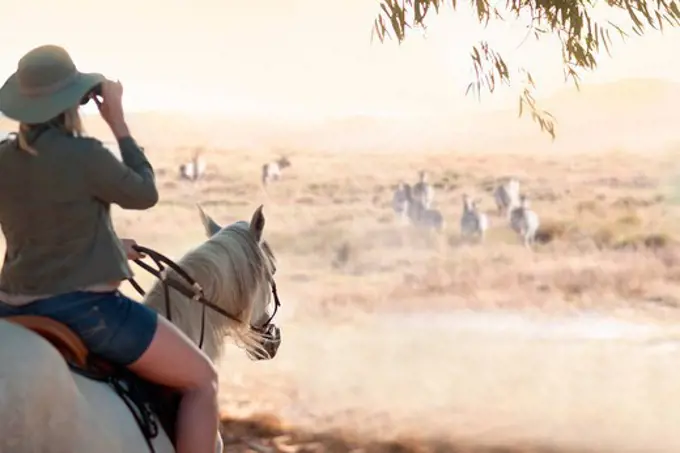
(608, 236)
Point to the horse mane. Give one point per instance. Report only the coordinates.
(234, 272)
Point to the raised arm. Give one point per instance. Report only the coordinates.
(130, 184)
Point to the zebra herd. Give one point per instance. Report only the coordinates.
(414, 205)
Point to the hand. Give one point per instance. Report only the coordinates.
(111, 107)
(131, 253)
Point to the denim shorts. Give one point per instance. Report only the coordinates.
(111, 325)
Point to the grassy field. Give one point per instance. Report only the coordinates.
(348, 379)
(608, 238)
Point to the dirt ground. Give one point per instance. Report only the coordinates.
(266, 434)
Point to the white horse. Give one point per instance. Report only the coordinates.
(47, 408)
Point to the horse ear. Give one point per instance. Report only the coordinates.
(211, 227)
(257, 224)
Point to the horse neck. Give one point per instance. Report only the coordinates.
(224, 275)
(186, 315)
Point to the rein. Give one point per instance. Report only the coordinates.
(191, 288)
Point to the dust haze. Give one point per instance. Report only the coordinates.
(394, 338)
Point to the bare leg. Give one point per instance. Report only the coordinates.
(174, 361)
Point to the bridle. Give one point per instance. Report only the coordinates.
(269, 332)
(194, 291)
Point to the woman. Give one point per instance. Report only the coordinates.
(63, 258)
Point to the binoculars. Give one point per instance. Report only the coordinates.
(96, 91)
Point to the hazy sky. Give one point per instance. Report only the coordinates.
(291, 56)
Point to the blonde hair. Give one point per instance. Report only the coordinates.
(68, 121)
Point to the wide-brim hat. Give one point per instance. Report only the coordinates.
(45, 84)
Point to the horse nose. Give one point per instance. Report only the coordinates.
(270, 344)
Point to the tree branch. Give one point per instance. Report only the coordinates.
(581, 37)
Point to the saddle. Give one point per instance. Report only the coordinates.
(163, 401)
(69, 345)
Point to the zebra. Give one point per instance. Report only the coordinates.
(421, 216)
(472, 221)
(422, 191)
(506, 196)
(271, 171)
(524, 221)
(400, 200)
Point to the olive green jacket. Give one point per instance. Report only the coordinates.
(55, 211)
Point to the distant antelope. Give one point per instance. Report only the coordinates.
(472, 221)
(271, 171)
(194, 169)
(400, 200)
(524, 221)
(507, 196)
(421, 216)
(422, 191)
